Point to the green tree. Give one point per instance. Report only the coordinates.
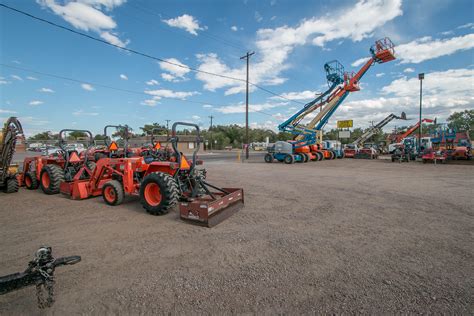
(48, 135)
(76, 135)
(148, 128)
(462, 121)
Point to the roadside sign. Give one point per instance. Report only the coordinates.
(344, 124)
(344, 134)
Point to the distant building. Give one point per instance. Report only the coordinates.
(186, 143)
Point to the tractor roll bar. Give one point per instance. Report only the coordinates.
(119, 127)
(174, 142)
(62, 141)
(62, 133)
(152, 139)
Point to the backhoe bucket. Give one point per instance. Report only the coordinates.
(207, 211)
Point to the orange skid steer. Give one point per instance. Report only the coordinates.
(160, 185)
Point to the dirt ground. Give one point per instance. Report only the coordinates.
(340, 236)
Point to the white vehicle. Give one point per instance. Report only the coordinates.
(76, 147)
(50, 150)
(392, 147)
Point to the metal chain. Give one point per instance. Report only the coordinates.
(48, 285)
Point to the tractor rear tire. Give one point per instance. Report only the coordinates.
(320, 155)
(31, 182)
(268, 158)
(332, 155)
(113, 193)
(306, 157)
(289, 159)
(11, 185)
(158, 193)
(50, 179)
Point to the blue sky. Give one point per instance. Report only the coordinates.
(292, 41)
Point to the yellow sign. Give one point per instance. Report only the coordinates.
(344, 124)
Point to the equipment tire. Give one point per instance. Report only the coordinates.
(50, 178)
(289, 159)
(158, 193)
(306, 157)
(332, 155)
(11, 185)
(98, 156)
(113, 193)
(30, 180)
(320, 155)
(268, 158)
(301, 160)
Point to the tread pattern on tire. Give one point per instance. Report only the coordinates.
(168, 189)
(119, 193)
(34, 180)
(12, 185)
(56, 176)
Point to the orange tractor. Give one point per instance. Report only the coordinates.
(48, 172)
(160, 185)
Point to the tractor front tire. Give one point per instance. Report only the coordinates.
(113, 193)
(289, 159)
(306, 157)
(31, 182)
(268, 158)
(158, 193)
(11, 185)
(50, 179)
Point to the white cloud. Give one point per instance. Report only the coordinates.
(112, 38)
(17, 77)
(381, 74)
(360, 61)
(149, 102)
(303, 95)
(31, 78)
(3, 81)
(164, 93)
(273, 46)
(123, 77)
(152, 82)
(82, 113)
(444, 92)
(196, 117)
(185, 22)
(240, 108)
(426, 48)
(36, 102)
(175, 70)
(46, 90)
(408, 70)
(87, 87)
(207, 106)
(466, 26)
(258, 17)
(86, 15)
(234, 28)
(7, 111)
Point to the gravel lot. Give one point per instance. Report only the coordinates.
(327, 237)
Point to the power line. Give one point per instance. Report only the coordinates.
(102, 85)
(206, 34)
(140, 53)
(115, 88)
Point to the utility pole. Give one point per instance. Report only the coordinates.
(210, 130)
(421, 76)
(247, 57)
(167, 128)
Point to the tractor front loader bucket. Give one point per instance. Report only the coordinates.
(210, 210)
